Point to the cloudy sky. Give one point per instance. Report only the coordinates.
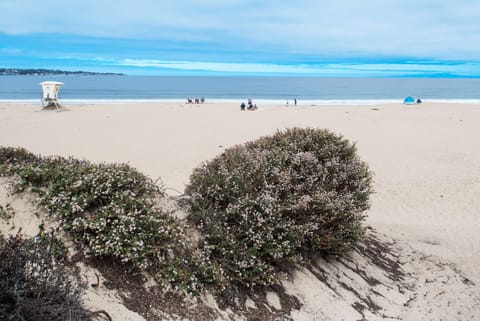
(424, 38)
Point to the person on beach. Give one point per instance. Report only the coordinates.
(295, 101)
(242, 106)
(287, 103)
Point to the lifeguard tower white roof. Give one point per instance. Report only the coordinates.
(50, 93)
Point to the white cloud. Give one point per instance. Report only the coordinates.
(418, 28)
(372, 69)
(219, 67)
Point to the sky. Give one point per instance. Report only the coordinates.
(331, 38)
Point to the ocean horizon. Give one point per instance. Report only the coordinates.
(265, 90)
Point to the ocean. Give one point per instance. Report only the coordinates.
(105, 89)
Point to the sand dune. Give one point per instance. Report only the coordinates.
(426, 208)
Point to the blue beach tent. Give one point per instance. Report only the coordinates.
(409, 100)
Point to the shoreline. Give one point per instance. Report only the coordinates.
(301, 102)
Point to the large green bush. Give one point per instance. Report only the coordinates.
(276, 199)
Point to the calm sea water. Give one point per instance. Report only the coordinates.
(339, 90)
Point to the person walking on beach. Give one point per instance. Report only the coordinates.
(295, 101)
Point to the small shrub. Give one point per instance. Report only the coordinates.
(6, 212)
(34, 284)
(16, 155)
(276, 199)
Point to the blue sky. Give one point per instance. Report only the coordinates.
(373, 38)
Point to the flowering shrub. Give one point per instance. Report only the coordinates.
(258, 207)
(276, 199)
(110, 210)
(16, 155)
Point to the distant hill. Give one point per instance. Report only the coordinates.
(46, 72)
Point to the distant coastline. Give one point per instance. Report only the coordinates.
(48, 72)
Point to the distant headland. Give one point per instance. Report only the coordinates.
(47, 72)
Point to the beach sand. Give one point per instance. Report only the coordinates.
(426, 158)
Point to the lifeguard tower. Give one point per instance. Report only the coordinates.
(50, 94)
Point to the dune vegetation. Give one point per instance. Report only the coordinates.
(255, 210)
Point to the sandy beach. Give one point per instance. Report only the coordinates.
(426, 158)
